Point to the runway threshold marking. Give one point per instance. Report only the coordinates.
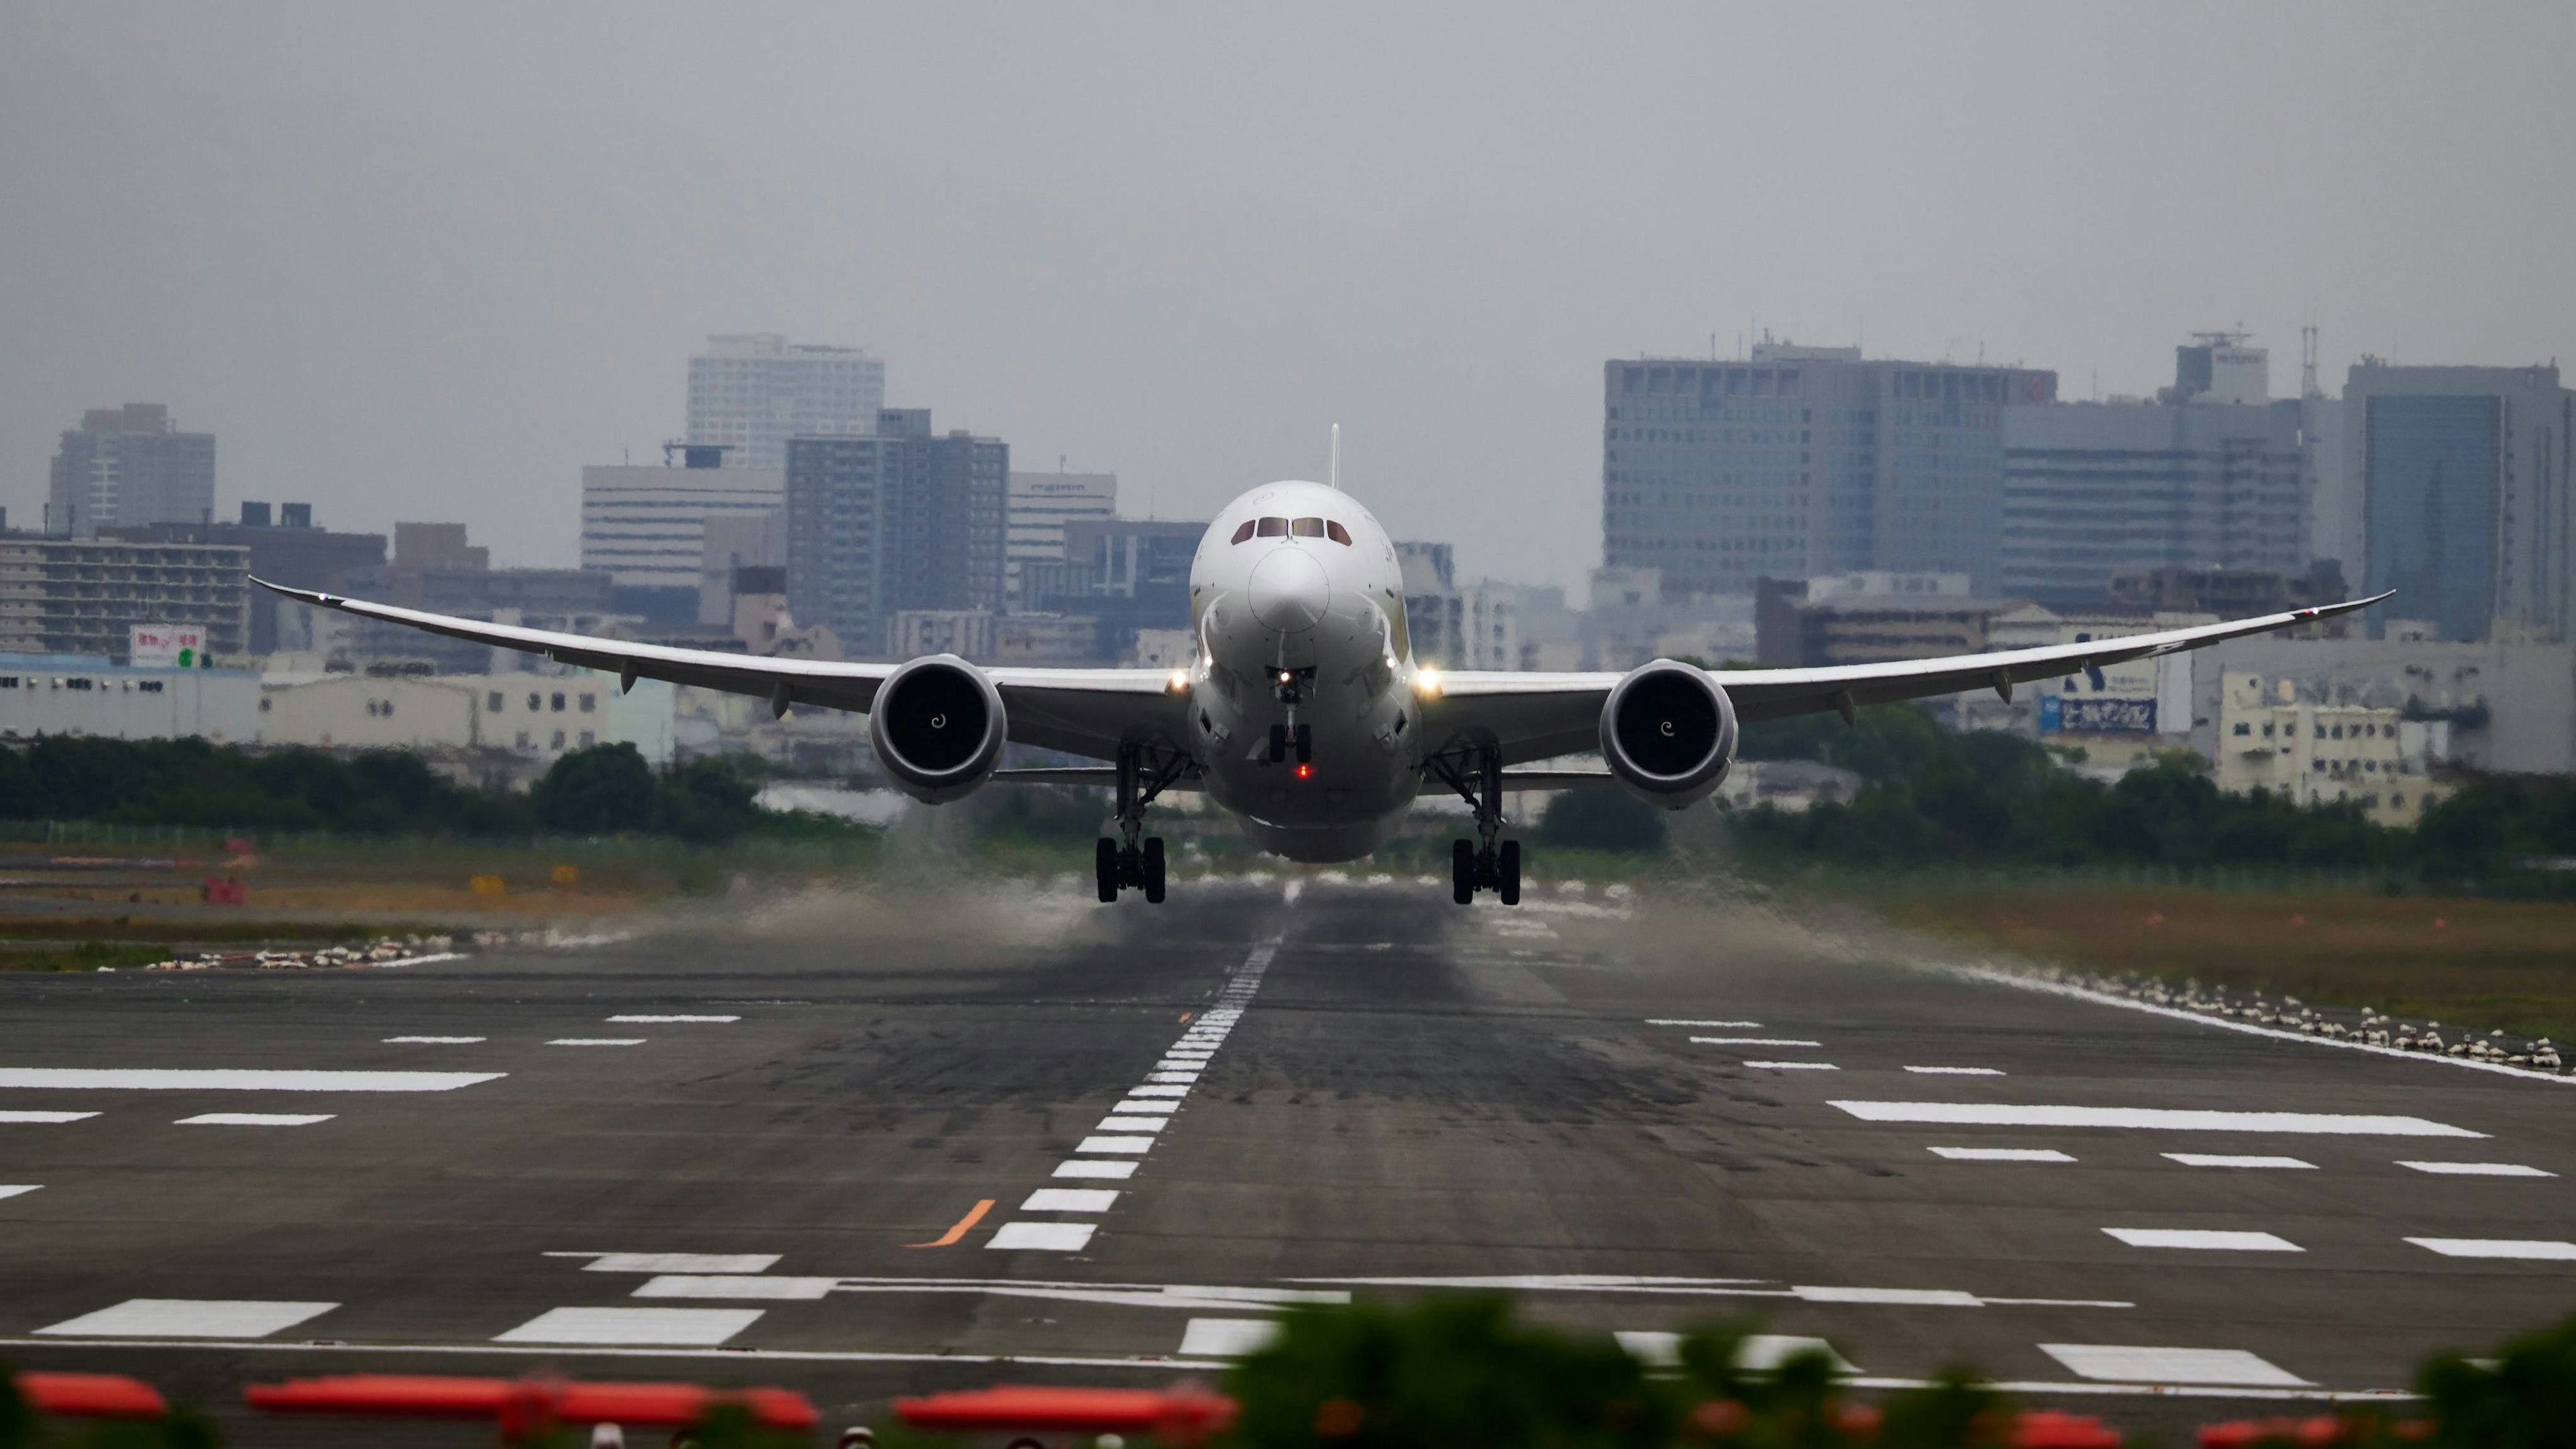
(228, 1079)
(1976, 1114)
(949, 1238)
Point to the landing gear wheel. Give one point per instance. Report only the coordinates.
(1278, 743)
(1462, 870)
(1154, 870)
(1105, 861)
(1509, 868)
(1305, 738)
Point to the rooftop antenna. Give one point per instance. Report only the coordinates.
(1333, 463)
(2308, 362)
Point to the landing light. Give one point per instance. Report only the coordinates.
(1427, 683)
(1287, 678)
(1179, 682)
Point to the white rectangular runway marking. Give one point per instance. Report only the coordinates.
(1762, 1041)
(187, 1318)
(19, 1189)
(597, 1041)
(31, 1118)
(254, 1119)
(1227, 1337)
(1795, 1066)
(2126, 1364)
(674, 1262)
(1675, 1021)
(1044, 1237)
(2001, 1154)
(1759, 1353)
(1158, 1091)
(1095, 1168)
(1958, 1071)
(2530, 1250)
(435, 1040)
(691, 1327)
(1920, 1297)
(659, 1020)
(1165, 1107)
(1115, 1144)
(2204, 1239)
(2477, 1169)
(1171, 1076)
(2221, 1159)
(1070, 1200)
(736, 1285)
(183, 1079)
(1131, 1124)
(1973, 1114)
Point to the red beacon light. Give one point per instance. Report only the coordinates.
(1305, 772)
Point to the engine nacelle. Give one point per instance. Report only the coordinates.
(938, 728)
(1668, 733)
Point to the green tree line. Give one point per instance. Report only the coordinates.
(602, 790)
(1933, 795)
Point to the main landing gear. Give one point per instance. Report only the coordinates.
(1128, 863)
(1482, 863)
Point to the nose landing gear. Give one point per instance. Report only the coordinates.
(1483, 863)
(1299, 738)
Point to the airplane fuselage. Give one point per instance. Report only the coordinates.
(1297, 602)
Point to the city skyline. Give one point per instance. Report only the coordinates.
(463, 272)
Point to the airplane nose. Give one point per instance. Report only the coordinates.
(1289, 592)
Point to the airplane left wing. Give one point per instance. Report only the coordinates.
(1531, 716)
(1081, 711)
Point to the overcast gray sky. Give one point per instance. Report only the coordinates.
(427, 263)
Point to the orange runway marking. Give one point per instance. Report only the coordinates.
(950, 1237)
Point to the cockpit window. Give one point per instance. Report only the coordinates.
(1244, 532)
(1337, 533)
(1309, 528)
(1274, 528)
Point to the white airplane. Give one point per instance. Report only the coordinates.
(1305, 713)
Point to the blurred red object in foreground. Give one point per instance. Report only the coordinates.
(91, 1396)
(1183, 1414)
(523, 1405)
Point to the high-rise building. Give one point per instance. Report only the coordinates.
(750, 392)
(85, 596)
(897, 520)
(130, 466)
(290, 551)
(1041, 505)
(647, 526)
(2092, 490)
(1804, 461)
(2466, 508)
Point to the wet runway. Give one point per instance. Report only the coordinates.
(864, 1147)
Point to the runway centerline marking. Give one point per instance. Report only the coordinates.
(1763, 1041)
(2528, 1250)
(20, 1189)
(1132, 1124)
(1957, 1071)
(1795, 1066)
(1070, 1200)
(640, 1020)
(2220, 1159)
(1974, 1114)
(1682, 1021)
(435, 1040)
(590, 1041)
(2204, 1240)
(254, 1119)
(2477, 1169)
(226, 1079)
(187, 1318)
(958, 1230)
(45, 1118)
(1095, 1167)
(2001, 1154)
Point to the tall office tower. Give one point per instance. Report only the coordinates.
(648, 525)
(2209, 476)
(2465, 500)
(899, 520)
(1041, 505)
(127, 467)
(1804, 461)
(749, 392)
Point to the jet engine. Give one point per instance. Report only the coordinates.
(1668, 733)
(938, 727)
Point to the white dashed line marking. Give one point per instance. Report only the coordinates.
(2204, 1240)
(2125, 1364)
(737, 1285)
(1132, 1124)
(1115, 1144)
(435, 1040)
(597, 1041)
(1070, 1200)
(34, 1118)
(1670, 1021)
(1970, 1114)
(19, 1189)
(1760, 1041)
(694, 1327)
(2001, 1154)
(180, 1079)
(1917, 1297)
(2532, 1250)
(2477, 1169)
(2220, 1159)
(1043, 1237)
(1795, 1066)
(187, 1318)
(1227, 1337)
(1088, 1168)
(659, 1020)
(1756, 1353)
(674, 1262)
(1958, 1071)
(254, 1119)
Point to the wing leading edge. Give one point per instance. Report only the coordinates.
(1083, 711)
(1539, 716)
